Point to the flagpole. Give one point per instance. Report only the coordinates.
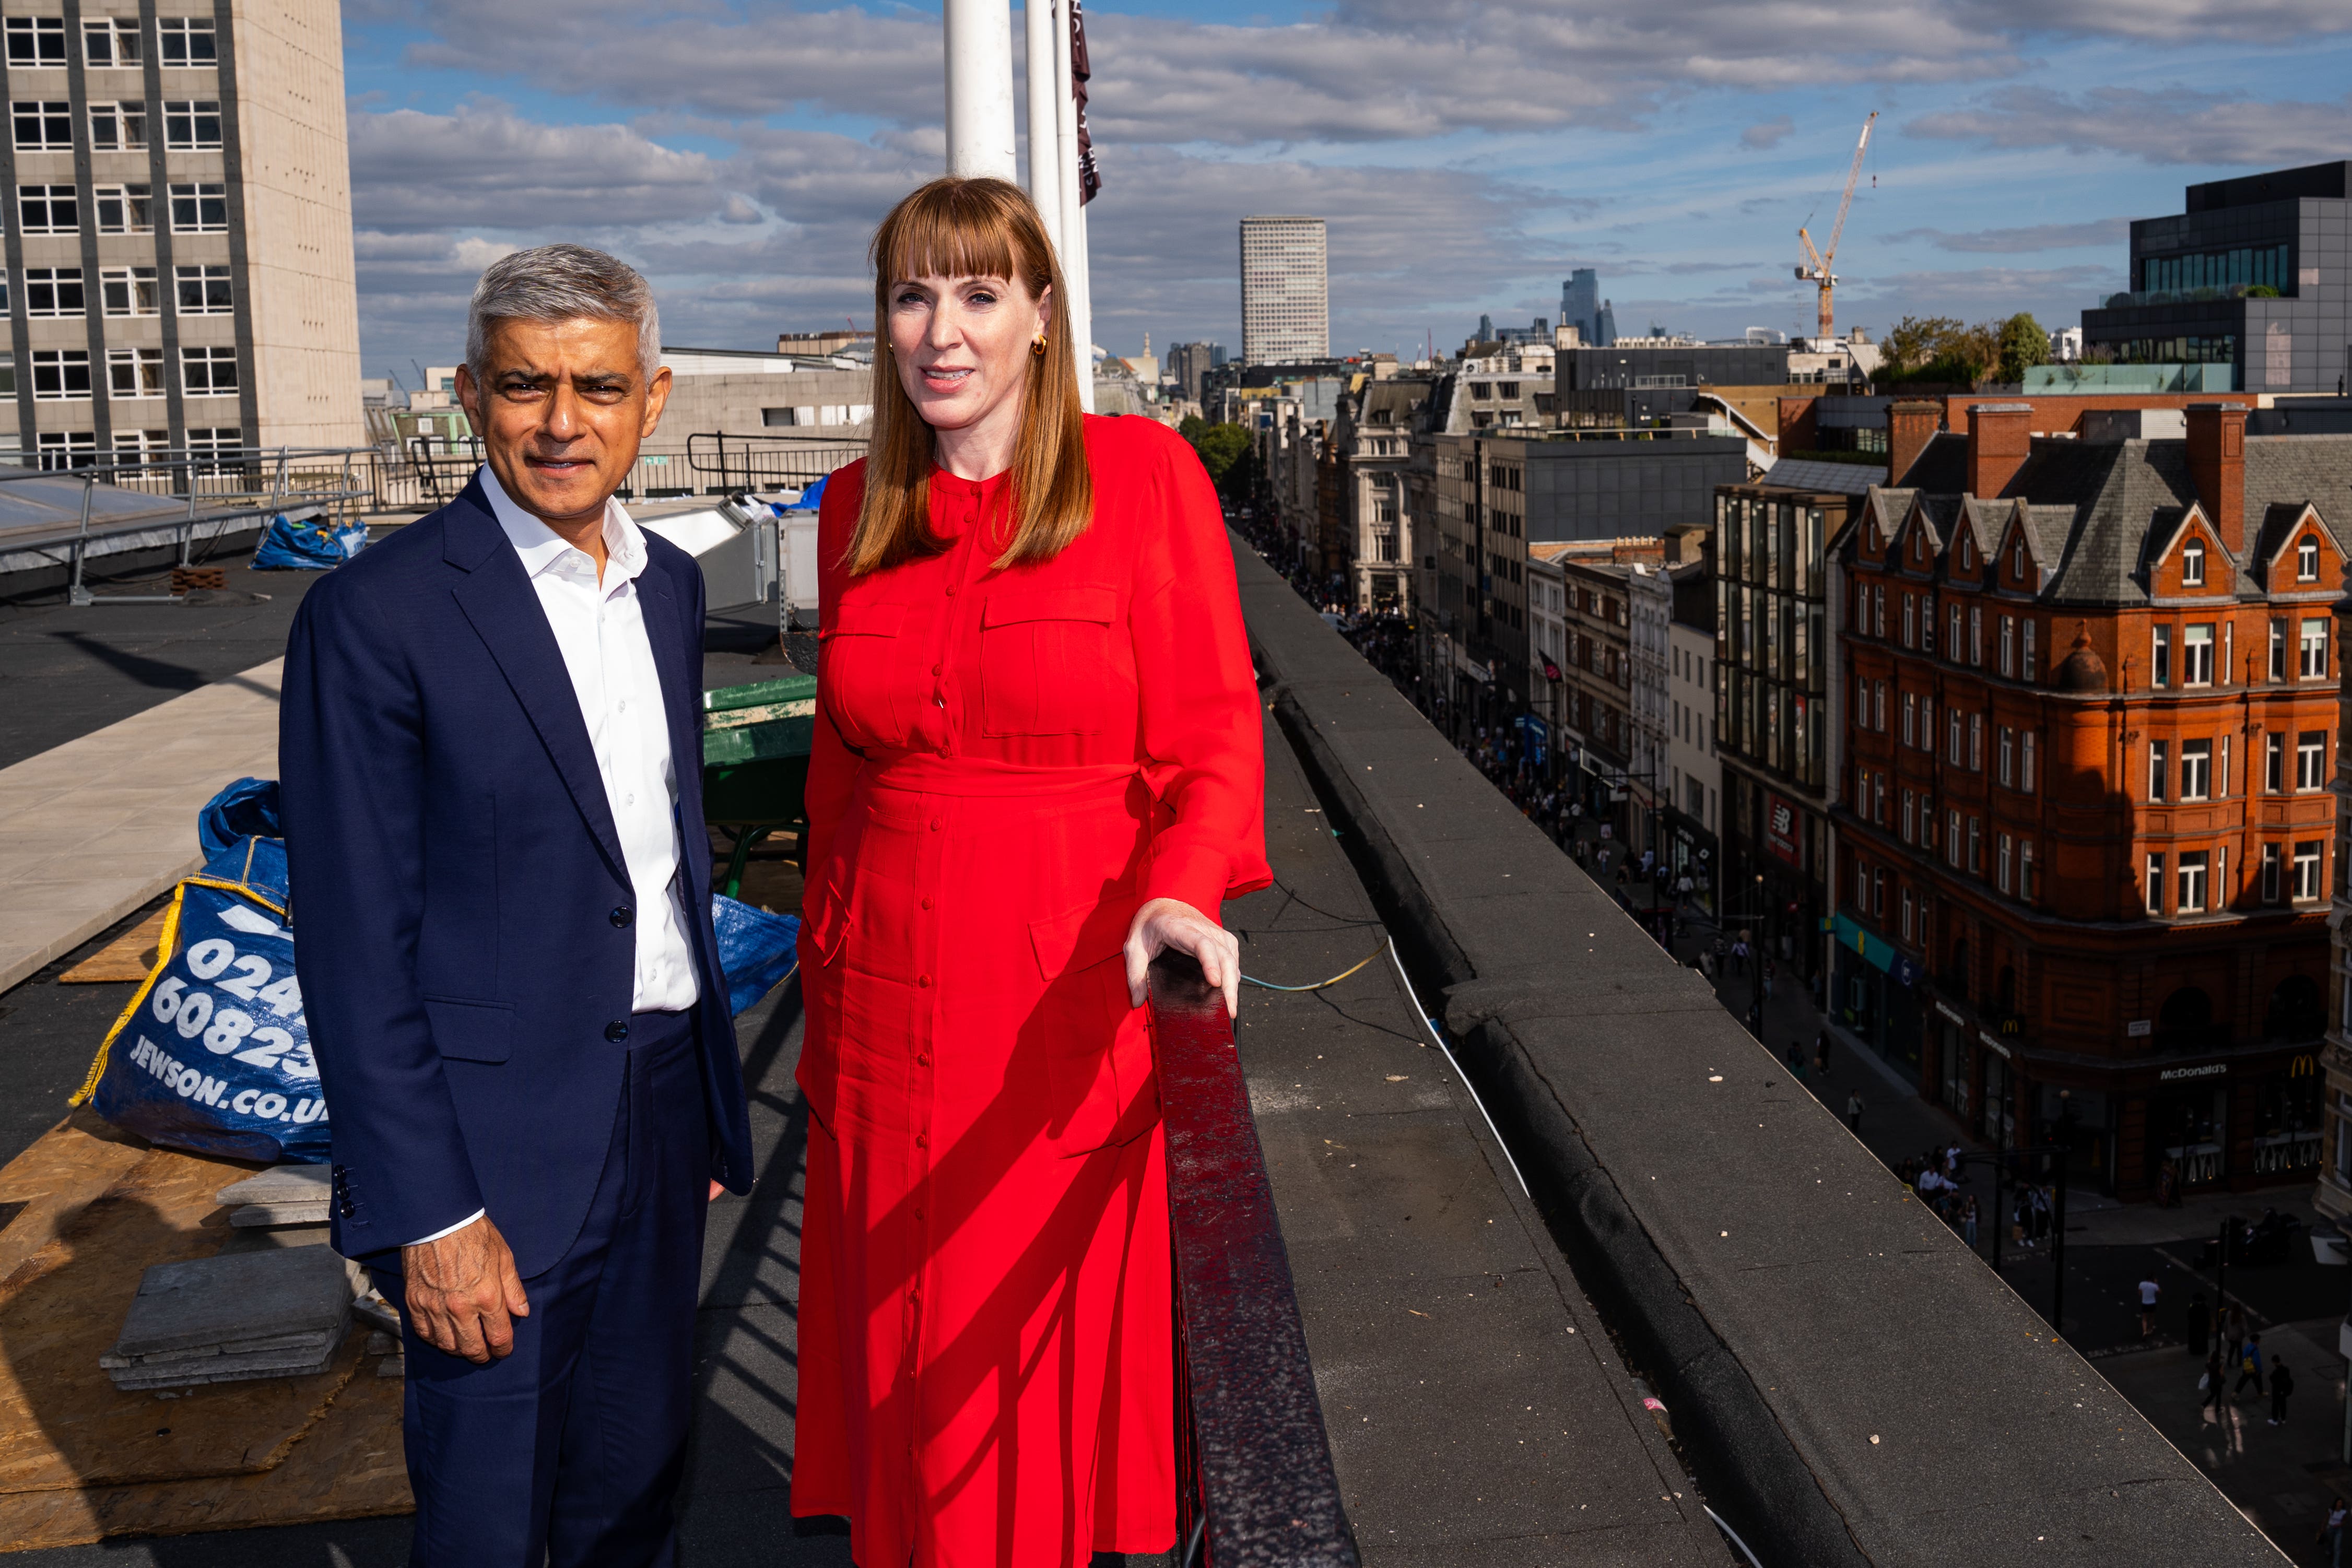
(1044, 131)
(1073, 209)
(978, 36)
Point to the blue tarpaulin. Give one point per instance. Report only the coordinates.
(313, 544)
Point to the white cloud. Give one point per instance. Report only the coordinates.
(1766, 134)
(482, 163)
(2166, 125)
(2105, 232)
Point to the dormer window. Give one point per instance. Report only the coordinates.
(2192, 564)
(2017, 560)
(1968, 558)
(2307, 561)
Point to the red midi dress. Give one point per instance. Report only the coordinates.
(1007, 764)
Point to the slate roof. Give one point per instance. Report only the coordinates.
(2101, 511)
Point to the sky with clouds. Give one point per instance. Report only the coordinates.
(1467, 155)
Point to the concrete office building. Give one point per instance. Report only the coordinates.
(1285, 298)
(178, 237)
(1188, 365)
(2256, 275)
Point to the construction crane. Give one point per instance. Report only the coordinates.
(1816, 266)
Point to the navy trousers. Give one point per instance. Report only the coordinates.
(568, 1452)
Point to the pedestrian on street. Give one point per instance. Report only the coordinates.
(1968, 1223)
(1797, 1062)
(1756, 1019)
(2216, 1378)
(1767, 972)
(2200, 1324)
(1822, 1052)
(2147, 1294)
(1740, 956)
(1854, 1112)
(2282, 1385)
(2233, 1331)
(2250, 1365)
(2331, 1531)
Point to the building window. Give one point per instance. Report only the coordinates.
(1952, 737)
(118, 127)
(135, 372)
(2191, 892)
(2008, 646)
(2196, 770)
(2274, 763)
(200, 209)
(1976, 634)
(60, 375)
(2311, 760)
(2278, 650)
(1910, 621)
(1952, 642)
(2269, 874)
(124, 209)
(2025, 871)
(2222, 774)
(2311, 662)
(49, 209)
(7, 375)
(2005, 753)
(218, 443)
(68, 449)
(2027, 659)
(2155, 885)
(130, 290)
(53, 291)
(1976, 845)
(187, 41)
(37, 43)
(2002, 852)
(1909, 905)
(1878, 894)
(2306, 869)
(2307, 561)
(1952, 841)
(1910, 818)
(2196, 655)
(2026, 775)
(110, 41)
(2159, 664)
(43, 127)
(1911, 719)
(1861, 886)
(192, 125)
(2192, 564)
(2157, 769)
(208, 372)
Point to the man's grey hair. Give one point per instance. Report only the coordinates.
(560, 283)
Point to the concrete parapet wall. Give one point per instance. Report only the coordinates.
(1852, 1385)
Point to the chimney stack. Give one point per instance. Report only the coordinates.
(2000, 437)
(2217, 467)
(1911, 423)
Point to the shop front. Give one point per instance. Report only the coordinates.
(1874, 992)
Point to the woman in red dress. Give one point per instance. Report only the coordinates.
(1038, 762)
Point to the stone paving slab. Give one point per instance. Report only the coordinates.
(92, 829)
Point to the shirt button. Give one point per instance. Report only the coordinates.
(922, 1140)
(625, 705)
(935, 669)
(923, 981)
(927, 904)
(935, 824)
(951, 590)
(622, 915)
(943, 751)
(923, 1058)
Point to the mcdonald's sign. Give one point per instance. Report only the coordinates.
(2304, 1066)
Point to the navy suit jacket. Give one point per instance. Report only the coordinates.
(466, 941)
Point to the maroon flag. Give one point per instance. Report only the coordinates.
(1089, 176)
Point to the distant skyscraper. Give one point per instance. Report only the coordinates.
(1581, 307)
(1286, 299)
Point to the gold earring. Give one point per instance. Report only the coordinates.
(1037, 344)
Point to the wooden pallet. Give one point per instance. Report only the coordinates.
(127, 958)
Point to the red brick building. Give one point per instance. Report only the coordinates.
(2085, 816)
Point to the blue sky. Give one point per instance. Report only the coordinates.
(1467, 155)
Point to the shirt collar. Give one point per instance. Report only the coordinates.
(541, 547)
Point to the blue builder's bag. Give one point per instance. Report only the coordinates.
(756, 949)
(212, 1055)
(313, 544)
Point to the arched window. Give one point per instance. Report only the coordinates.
(2187, 1008)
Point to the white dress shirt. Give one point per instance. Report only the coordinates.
(600, 627)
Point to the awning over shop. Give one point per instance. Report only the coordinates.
(1880, 953)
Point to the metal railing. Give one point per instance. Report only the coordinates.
(219, 485)
(768, 461)
(1256, 1488)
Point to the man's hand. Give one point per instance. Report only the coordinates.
(463, 1292)
(1166, 922)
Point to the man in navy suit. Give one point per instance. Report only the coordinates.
(493, 808)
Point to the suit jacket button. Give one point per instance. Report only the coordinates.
(622, 915)
(618, 1031)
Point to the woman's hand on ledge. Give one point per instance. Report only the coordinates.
(1172, 925)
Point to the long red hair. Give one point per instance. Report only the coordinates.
(958, 227)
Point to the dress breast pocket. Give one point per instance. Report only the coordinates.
(860, 670)
(1045, 660)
